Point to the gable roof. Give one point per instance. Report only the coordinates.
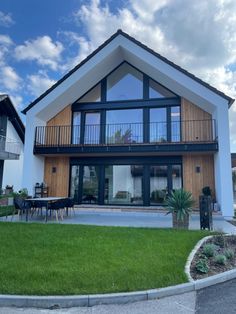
(7, 108)
(120, 32)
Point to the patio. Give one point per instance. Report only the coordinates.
(128, 218)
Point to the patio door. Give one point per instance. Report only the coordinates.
(90, 184)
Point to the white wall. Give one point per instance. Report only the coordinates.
(33, 167)
(13, 169)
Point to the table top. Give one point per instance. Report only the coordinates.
(45, 199)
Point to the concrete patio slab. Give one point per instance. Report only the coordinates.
(139, 218)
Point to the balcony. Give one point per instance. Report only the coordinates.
(9, 148)
(194, 135)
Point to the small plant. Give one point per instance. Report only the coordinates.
(180, 203)
(220, 259)
(209, 249)
(229, 253)
(220, 240)
(202, 266)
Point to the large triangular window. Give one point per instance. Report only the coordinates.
(94, 95)
(125, 83)
(158, 91)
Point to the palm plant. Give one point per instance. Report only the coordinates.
(180, 203)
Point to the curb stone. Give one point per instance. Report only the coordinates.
(119, 298)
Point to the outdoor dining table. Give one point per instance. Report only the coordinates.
(45, 201)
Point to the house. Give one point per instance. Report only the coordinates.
(12, 133)
(125, 127)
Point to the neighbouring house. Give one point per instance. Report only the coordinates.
(12, 133)
(125, 127)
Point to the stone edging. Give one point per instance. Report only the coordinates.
(119, 298)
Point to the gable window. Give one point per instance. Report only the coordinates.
(76, 128)
(158, 125)
(125, 83)
(158, 91)
(94, 95)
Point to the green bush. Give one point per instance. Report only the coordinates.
(202, 266)
(209, 249)
(229, 253)
(220, 240)
(220, 259)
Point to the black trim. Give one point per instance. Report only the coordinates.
(126, 104)
(120, 32)
(7, 108)
(106, 149)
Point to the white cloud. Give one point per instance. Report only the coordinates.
(9, 79)
(39, 83)
(6, 19)
(42, 50)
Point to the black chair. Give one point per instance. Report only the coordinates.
(57, 206)
(37, 206)
(70, 204)
(22, 206)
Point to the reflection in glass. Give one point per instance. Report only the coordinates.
(92, 128)
(124, 126)
(123, 184)
(176, 177)
(175, 124)
(76, 128)
(158, 125)
(125, 83)
(90, 184)
(158, 91)
(158, 184)
(74, 182)
(92, 96)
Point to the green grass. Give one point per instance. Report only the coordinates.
(41, 259)
(7, 210)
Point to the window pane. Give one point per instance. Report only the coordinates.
(125, 83)
(175, 124)
(124, 126)
(92, 128)
(158, 184)
(76, 128)
(176, 177)
(93, 96)
(158, 125)
(90, 184)
(123, 184)
(74, 182)
(158, 91)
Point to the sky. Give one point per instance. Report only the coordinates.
(41, 40)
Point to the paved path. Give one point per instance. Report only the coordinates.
(181, 304)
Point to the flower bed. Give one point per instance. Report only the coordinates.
(216, 255)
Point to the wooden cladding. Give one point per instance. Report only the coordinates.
(200, 127)
(53, 136)
(198, 171)
(56, 175)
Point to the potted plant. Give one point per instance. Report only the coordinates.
(180, 203)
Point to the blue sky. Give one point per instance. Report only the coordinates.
(41, 40)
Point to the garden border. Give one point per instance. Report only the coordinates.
(119, 298)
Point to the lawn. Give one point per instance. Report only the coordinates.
(41, 259)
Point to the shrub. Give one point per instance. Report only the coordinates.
(229, 253)
(220, 259)
(202, 266)
(219, 240)
(209, 249)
